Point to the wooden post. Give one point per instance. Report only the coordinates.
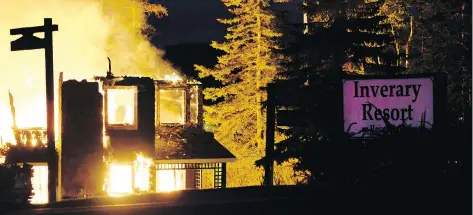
(270, 129)
(48, 55)
(59, 131)
(224, 175)
(28, 42)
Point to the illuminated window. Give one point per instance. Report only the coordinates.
(122, 107)
(40, 184)
(119, 180)
(171, 106)
(170, 180)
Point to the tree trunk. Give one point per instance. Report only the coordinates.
(259, 121)
(411, 33)
(396, 42)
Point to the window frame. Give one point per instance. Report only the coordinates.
(187, 88)
(109, 126)
(158, 106)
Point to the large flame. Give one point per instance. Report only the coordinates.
(40, 184)
(123, 179)
(89, 32)
(142, 166)
(120, 180)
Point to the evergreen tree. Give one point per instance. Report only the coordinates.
(247, 65)
(372, 50)
(444, 40)
(314, 60)
(399, 15)
(356, 34)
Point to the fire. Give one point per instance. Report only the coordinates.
(142, 172)
(6, 132)
(119, 180)
(121, 106)
(89, 32)
(40, 184)
(173, 77)
(124, 179)
(170, 180)
(120, 176)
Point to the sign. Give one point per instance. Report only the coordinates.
(291, 117)
(367, 102)
(289, 97)
(28, 41)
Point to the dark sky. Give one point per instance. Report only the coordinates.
(194, 21)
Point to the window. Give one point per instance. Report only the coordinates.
(122, 107)
(40, 184)
(119, 180)
(171, 106)
(170, 180)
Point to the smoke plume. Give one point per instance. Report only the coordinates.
(89, 32)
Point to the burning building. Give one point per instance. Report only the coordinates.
(126, 135)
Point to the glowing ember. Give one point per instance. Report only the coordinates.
(170, 180)
(119, 180)
(40, 184)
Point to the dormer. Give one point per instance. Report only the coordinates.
(178, 103)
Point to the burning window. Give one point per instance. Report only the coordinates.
(124, 178)
(40, 184)
(142, 167)
(120, 180)
(122, 107)
(171, 106)
(170, 180)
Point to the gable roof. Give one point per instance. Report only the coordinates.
(178, 144)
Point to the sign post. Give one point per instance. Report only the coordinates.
(281, 95)
(270, 129)
(29, 42)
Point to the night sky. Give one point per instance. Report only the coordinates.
(194, 21)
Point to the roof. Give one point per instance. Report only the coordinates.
(189, 144)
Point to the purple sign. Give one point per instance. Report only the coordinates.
(367, 102)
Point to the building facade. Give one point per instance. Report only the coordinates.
(127, 135)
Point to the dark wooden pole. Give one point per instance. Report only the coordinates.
(224, 175)
(29, 42)
(52, 162)
(270, 126)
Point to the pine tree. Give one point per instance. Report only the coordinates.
(247, 65)
(444, 40)
(314, 60)
(373, 49)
